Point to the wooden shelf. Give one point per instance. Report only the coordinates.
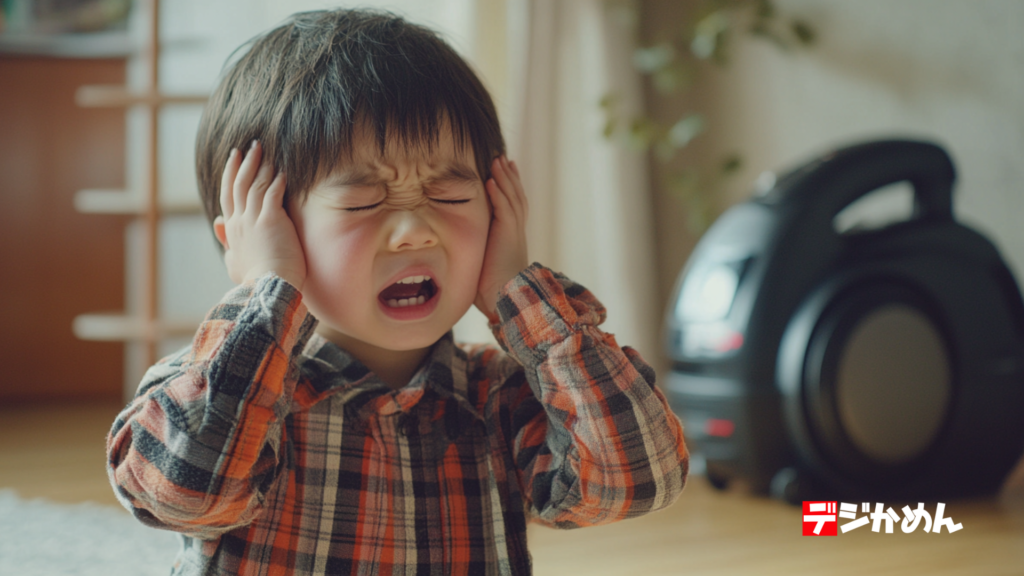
(94, 45)
(129, 203)
(118, 327)
(145, 327)
(100, 96)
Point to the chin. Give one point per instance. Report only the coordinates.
(410, 344)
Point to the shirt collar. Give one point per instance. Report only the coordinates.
(330, 370)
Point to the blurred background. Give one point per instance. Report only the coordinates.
(635, 123)
(582, 88)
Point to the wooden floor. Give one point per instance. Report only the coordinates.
(56, 452)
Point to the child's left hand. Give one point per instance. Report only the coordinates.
(506, 241)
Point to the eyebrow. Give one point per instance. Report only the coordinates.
(357, 176)
(457, 171)
(367, 175)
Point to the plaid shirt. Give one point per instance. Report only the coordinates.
(275, 452)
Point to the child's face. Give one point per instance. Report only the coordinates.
(380, 219)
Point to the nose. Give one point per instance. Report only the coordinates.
(409, 231)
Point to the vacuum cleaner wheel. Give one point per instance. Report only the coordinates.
(877, 382)
(893, 383)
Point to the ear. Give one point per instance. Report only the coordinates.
(220, 232)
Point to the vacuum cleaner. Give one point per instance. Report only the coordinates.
(811, 362)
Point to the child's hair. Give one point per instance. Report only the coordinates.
(304, 87)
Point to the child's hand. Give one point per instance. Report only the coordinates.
(506, 242)
(257, 234)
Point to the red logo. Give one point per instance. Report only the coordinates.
(820, 519)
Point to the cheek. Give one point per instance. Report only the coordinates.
(335, 252)
(468, 235)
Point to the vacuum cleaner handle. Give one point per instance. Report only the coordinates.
(833, 182)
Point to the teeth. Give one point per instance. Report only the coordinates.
(407, 302)
(413, 279)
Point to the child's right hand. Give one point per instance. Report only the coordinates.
(257, 234)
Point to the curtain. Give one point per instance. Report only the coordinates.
(590, 211)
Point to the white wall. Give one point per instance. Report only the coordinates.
(947, 70)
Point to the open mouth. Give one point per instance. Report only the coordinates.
(409, 291)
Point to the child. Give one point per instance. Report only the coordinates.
(323, 421)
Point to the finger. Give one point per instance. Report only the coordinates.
(514, 177)
(246, 173)
(501, 177)
(226, 179)
(263, 180)
(487, 195)
(520, 190)
(502, 208)
(499, 173)
(498, 201)
(274, 197)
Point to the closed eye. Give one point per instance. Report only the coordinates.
(438, 200)
(361, 208)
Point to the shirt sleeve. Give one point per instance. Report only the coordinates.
(596, 441)
(201, 444)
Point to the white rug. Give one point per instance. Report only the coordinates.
(42, 538)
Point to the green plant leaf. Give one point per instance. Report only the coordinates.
(654, 58)
(708, 34)
(803, 32)
(664, 150)
(641, 133)
(685, 130)
(764, 9)
(672, 78)
(672, 66)
(609, 128)
(732, 164)
(609, 101)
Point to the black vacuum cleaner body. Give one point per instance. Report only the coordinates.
(884, 364)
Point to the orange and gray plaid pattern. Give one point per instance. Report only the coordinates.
(275, 452)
